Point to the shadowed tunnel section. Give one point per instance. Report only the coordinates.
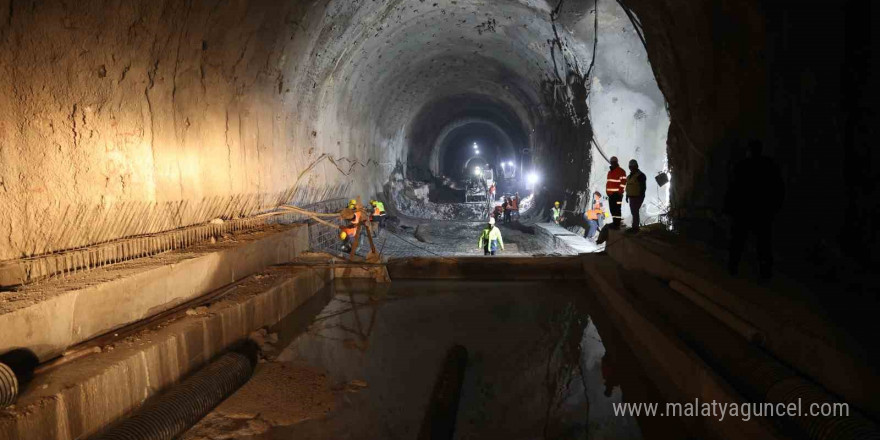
(443, 133)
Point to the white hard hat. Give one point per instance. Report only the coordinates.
(491, 220)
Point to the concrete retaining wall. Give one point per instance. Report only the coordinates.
(794, 334)
(49, 327)
(565, 241)
(77, 400)
(680, 374)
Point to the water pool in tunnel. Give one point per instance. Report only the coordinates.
(537, 365)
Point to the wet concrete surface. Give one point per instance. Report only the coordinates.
(455, 238)
(534, 368)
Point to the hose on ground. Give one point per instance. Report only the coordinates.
(8, 386)
(171, 414)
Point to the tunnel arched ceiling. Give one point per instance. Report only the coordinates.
(176, 113)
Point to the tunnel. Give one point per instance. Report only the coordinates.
(174, 163)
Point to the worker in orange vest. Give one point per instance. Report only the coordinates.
(614, 187)
(514, 206)
(347, 232)
(595, 216)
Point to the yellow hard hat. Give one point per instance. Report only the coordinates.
(372, 202)
(352, 202)
(343, 235)
(556, 203)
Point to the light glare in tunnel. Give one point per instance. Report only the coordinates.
(533, 178)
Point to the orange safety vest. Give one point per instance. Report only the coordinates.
(616, 181)
(350, 230)
(594, 213)
(514, 204)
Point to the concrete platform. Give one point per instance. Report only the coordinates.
(78, 399)
(794, 332)
(677, 370)
(486, 268)
(565, 241)
(49, 317)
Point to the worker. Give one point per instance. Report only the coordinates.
(506, 207)
(352, 217)
(556, 211)
(378, 215)
(497, 213)
(755, 194)
(514, 206)
(616, 182)
(595, 216)
(490, 239)
(636, 185)
(492, 192)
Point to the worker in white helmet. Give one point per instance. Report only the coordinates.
(490, 239)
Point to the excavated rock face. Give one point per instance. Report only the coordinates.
(123, 118)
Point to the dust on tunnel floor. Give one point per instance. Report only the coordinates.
(535, 361)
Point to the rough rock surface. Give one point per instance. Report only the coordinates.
(795, 76)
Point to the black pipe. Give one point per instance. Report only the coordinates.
(171, 414)
(8, 386)
(16, 371)
(439, 421)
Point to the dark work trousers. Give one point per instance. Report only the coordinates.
(635, 203)
(741, 228)
(614, 204)
(379, 221)
(490, 247)
(592, 228)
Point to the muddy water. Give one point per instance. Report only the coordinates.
(534, 367)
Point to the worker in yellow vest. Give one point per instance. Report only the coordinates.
(378, 216)
(490, 239)
(556, 211)
(636, 186)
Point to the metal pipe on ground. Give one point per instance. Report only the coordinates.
(174, 412)
(747, 330)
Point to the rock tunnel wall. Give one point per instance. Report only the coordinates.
(796, 77)
(122, 118)
(128, 117)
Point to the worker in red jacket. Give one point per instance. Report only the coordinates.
(616, 183)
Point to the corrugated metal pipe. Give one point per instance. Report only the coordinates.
(8, 386)
(174, 412)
